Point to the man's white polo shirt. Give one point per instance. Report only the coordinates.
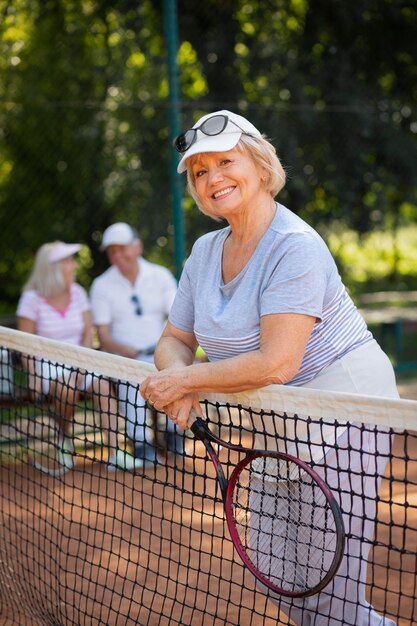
(115, 301)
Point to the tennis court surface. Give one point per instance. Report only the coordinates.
(96, 547)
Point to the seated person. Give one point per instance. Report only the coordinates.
(53, 305)
(130, 302)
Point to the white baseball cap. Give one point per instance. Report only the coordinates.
(119, 234)
(225, 140)
(62, 251)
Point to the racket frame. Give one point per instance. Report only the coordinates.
(201, 431)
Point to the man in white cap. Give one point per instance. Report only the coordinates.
(130, 303)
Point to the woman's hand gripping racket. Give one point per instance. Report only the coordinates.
(282, 518)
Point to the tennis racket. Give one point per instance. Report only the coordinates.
(282, 517)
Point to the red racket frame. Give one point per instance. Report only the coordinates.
(202, 433)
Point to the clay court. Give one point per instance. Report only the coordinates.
(115, 549)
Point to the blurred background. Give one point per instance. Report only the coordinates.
(91, 92)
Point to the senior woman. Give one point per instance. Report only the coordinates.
(277, 312)
(53, 305)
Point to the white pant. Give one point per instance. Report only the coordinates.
(366, 370)
(139, 425)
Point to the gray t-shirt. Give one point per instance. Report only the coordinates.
(291, 271)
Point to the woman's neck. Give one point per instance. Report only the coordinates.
(60, 300)
(249, 227)
(242, 242)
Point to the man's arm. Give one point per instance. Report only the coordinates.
(108, 344)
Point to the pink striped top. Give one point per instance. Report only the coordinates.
(63, 325)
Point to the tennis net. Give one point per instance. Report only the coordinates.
(94, 544)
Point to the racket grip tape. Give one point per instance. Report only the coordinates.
(199, 429)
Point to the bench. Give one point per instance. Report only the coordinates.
(392, 313)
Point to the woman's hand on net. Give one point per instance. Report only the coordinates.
(181, 410)
(165, 387)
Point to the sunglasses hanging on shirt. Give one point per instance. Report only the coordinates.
(137, 305)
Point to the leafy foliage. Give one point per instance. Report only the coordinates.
(84, 116)
(377, 260)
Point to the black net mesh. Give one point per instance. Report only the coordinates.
(84, 541)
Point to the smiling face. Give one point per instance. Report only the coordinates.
(226, 183)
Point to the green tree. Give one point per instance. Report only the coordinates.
(83, 129)
(336, 83)
(332, 83)
(83, 113)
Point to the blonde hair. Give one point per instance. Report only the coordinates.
(46, 278)
(263, 154)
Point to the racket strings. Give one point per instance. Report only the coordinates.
(284, 523)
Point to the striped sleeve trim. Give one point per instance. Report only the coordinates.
(219, 348)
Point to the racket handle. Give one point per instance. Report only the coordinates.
(199, 428)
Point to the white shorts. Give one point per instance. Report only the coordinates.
(367, 371)
(50, 372)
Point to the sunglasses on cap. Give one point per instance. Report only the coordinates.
(212, 126)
